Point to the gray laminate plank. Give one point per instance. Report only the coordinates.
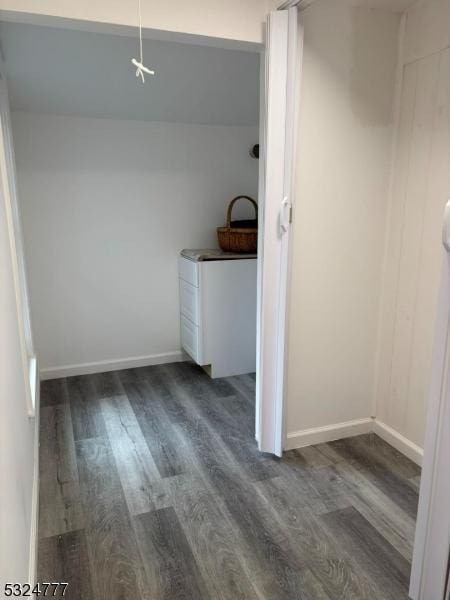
(372, 446)
(237, 407)
(213, 542)
(384, 565)
(205, 405)
(64, 558)
(87, 419)
(325, 557)
(321, 489)
(172, 571)
(157, 429)
(241, 405)
(245, 386)
(198, 386)
(195, 381)
(329, 453)
(285, 577)
(53, 392)
(106, 385)
(188, 409)
(60, 507)
(141, 482)
(313, 457)
(161, 381)
(397, 488)
(397, 526)
(114, 557)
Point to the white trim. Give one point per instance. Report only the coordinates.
(328, 433)
(337, 431)
(113, 365)
(398, 441)
(32, 572)
(261, 197)
(33, 374)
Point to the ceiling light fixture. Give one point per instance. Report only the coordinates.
(139, 64)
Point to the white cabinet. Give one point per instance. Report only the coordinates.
(218, 314)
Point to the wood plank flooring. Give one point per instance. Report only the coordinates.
(152, 488)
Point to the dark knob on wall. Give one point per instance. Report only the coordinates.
(254, 151)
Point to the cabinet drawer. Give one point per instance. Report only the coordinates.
(189, 301)
(188, 270)
(190, 338)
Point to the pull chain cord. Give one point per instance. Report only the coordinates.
(140, 69)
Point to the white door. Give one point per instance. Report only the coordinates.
(429, 580)
(282, 68)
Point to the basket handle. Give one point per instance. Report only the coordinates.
(233, 202)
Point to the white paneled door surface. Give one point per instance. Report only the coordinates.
(283, 61)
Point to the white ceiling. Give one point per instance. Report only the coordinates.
(61, 71)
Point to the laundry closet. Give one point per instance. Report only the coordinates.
(116, 177)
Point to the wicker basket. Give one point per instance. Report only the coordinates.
(238, 239)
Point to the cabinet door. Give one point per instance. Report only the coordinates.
(188, 270)
(190, 338)
(189, 301)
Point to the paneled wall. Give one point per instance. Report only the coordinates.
(420, 189)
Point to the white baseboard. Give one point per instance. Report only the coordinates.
(398, 441)
(32, 565)
(328, 433)
(112, 365)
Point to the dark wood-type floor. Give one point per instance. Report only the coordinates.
(152, 488)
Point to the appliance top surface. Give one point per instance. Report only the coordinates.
(203, 254)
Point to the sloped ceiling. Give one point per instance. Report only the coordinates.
(69, 72)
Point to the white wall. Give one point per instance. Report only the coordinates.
(420, 189)
(107, 205)
(229, 19)
(350, 57)
(16, 431)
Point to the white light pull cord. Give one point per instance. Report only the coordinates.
(139, 64)
(140, 69)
